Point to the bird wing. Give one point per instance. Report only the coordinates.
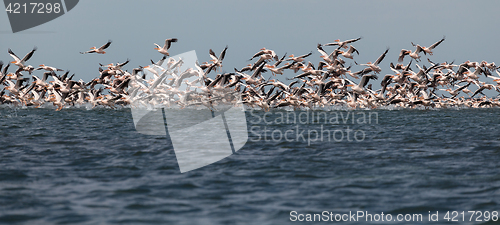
(11, 53)
(306, 74)
(437, 43)
(105, 46)
(479, 90)
(402, 55)
(322, 51)
(287, 66)
(331, 44)
(258, 70)
(379, 60)
(352, 40)
(28, 56)
(257, 55)
(365, 79)
(278, 62)
(212, 54)
(91, 51)
(125, 63)
(306, 55)
(168, 42)
(223, 54)
(6, 68)
(419, 49)
(352, 50)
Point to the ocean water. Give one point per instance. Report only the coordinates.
(79, 166)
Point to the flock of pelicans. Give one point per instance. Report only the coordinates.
(330, 83)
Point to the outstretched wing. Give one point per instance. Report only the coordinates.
(352, 40)
(379, 60)
(168, 42)
(223, 54)
(212, 54)
(105, 46)
(28, 56)
(436, 44)
(11, 53)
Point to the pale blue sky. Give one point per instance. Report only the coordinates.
(285, 26)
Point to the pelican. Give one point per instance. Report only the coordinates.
(415, 55)
(329, 58)
(457, 91)
(359, 88)
(374, 66)
(430, 48)
(265, 51)
(47, 68)
(298, 58)
(279, 70)
(164, 50)
(349, 53)
(217, 61)
(20, 62)
(342, 44)
(99, 50)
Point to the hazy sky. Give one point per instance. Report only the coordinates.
(295, 27)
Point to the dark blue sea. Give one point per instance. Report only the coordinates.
(79, 166)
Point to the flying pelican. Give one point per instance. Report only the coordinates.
(279, 70)
(455, 92)
(20, 62)
(374, 66)
(429, 49)
(47, 68)
(298, 58)
(342, 44)
(99, 50)
(265, 51)
(217, 61)
(329, 58)
(358, 88)
(349, 52)
(164, 50)
(415, 55)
